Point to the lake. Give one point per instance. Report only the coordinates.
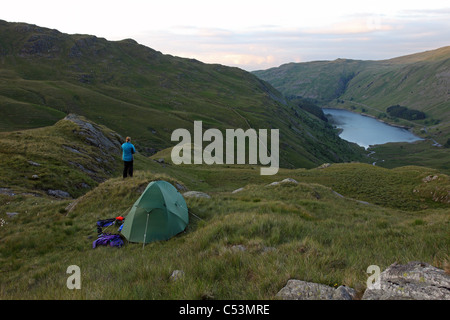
(366, 131)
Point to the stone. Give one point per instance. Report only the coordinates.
(344, 293)
(238, 190)
(413, 281)
(7, 191)
(58, 193)
(302, 290)
(196, 194)
(287, 180)
(430, 178)
(72, 149)
(12, 214)
(180, 187)
(176, 275)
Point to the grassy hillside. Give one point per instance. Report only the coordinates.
(246, 245)
(139, 92)
(327, 228)
(419, 81)
(67, 101)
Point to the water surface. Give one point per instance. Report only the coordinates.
(366, 131)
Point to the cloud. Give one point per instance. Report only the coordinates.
(365, 35)
(371, 23)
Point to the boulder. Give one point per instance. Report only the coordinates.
(413, 281)
(196, 194)
(59, 193)
(287, 180)
(302, 290)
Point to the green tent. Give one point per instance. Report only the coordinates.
(159, 214)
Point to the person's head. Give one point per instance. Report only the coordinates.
(128, 139)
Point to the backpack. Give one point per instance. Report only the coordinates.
(108, 239)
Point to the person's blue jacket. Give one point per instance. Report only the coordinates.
(127, 151)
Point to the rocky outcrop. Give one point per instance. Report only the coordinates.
(95, 135)
(107, 146)
(413, 281)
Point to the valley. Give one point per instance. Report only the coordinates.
(68, 101)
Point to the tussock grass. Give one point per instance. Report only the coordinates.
(246, 245)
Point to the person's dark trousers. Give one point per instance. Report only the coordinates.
(127, 168)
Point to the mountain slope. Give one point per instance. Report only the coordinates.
(137, 91)
(419, 81)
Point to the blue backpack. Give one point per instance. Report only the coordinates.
(107, 239)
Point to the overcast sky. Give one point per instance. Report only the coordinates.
(251, 34)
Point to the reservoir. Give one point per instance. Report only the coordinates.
(366, 131)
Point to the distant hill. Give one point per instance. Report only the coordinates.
(137, 91)
(419, 81)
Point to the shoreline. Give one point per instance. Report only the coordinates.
(373, 117)
(340, 130)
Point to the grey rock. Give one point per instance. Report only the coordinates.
(430, 178)
(7, 191)
(238, 190)
(287, 180)
(34, 177)
(180, 187)
(82, 168)
(176, 275)
(413, 281)
(196, 194)
(302, 290)
(12, 214)
(34, 163)
(58, 193)
(94, 134)
(344, 293)
(71, 149)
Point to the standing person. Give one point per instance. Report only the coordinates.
(127, 156)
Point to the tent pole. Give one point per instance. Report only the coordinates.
(145, 232)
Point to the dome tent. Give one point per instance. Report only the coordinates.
(159, 214)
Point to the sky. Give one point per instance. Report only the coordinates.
(252, 35)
